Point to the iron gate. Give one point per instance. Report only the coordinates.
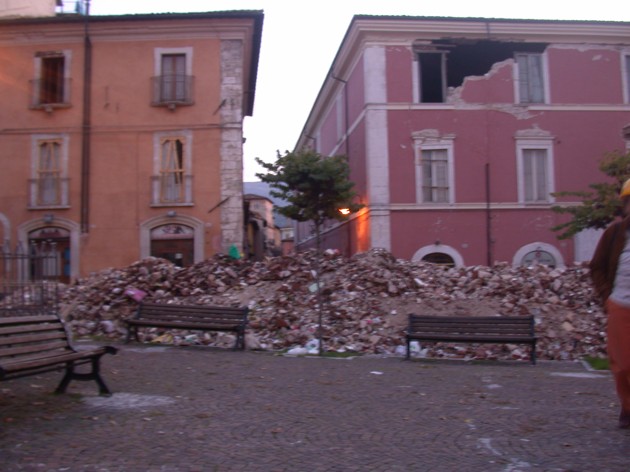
(29, 278)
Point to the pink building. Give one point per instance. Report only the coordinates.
(458, 131)
(122, 135)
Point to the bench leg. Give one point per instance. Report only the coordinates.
(240, 341)
(532, 354)
(408, 354)
(132, 331)
(61, 388)
(95, 375)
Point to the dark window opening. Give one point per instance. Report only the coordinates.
(453, 60)
(439, 258)
(431, 77)
(52, 80)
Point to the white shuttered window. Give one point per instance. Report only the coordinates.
(530, 78)
(435, 180)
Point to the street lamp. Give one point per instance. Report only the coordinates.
(344, 211)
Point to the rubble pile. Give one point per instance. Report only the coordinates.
(363, 302)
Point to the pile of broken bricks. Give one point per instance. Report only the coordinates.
(363, 303)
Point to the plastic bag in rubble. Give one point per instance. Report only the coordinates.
(234, 252)
(136, 294)
(297, 351)
(414, 347)
(312, 347)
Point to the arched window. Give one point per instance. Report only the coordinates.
(439, 254)
(538, 253)
(439, 258)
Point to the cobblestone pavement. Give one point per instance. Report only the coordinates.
(200, 409)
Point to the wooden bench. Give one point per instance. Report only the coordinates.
(31, 345)
(473, 329)
(190, 317)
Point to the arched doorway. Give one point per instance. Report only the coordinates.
(49, 248)
(174, 242)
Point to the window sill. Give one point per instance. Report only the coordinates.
(172, 105)
(537, 204)
(48, 207)
(171, 204)
(50, 107)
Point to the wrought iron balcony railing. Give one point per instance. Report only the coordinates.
(172, 90)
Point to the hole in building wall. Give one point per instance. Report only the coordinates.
(447, 62)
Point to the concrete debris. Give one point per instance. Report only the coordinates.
(365, 301)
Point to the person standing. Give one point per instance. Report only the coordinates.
(610, 273)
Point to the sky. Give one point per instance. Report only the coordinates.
(300, 40)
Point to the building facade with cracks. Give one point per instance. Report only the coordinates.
(460, 130)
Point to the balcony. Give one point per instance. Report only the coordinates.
(48, 193)
(47, 95)
(172, 90)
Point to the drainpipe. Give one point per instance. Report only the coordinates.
(345, 112)
(346, 133)
(85, 130)
(488, 219)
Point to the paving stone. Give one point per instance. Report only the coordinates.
(201, 408)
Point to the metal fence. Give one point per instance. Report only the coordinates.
(29, 276)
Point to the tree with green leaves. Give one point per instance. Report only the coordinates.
(601, 204)
(315, 188)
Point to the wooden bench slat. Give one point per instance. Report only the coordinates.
(186, 325)
(196, 317)
(60, 358)
(190, 317)
(29, 328)
(23, 349)
(31, 338)
(487, 329)
(30, 345)
(21, 320)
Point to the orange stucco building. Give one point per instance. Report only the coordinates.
(122, 135)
